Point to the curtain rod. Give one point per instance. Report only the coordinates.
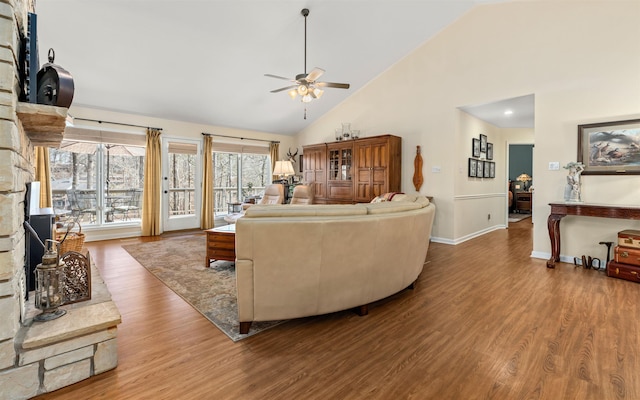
(115, 123)
(241, 138)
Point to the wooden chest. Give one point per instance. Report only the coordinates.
(627, 255)
(629, 238)
(623, 271)
(221, 244)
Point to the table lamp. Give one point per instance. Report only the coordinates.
(283, 169)
(524, 178)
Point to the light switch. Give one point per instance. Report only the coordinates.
(435, 169)
(554, 166)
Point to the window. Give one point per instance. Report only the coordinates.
(99, 180)
(240, 172)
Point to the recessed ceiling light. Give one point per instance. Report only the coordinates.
(508, 112)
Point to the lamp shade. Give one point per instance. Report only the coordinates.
(284, 168)
(523, 178)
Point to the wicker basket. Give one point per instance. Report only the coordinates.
(71, 241)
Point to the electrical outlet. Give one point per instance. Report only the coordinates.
(554, 166)
(435, 169)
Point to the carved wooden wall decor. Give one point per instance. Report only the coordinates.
(77, 280)
(417, 170)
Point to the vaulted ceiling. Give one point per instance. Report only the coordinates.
(204, 61)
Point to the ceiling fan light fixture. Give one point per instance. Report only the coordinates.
(317, 93)
(303, 90)
(306, 84)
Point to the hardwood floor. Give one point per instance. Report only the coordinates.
(485, 321)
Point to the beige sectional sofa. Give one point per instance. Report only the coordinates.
(296, 261)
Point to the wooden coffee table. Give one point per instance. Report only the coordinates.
(221, 244)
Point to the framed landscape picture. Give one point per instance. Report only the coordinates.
(489, 151)
(475, 147)
(473, 165)
(483, 143)
(610, 148)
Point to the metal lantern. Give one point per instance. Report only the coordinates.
(49, 284)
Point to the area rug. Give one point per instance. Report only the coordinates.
(179, 264)
(518, 217)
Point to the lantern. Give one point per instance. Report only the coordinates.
(49, 284)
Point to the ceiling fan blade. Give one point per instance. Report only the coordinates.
(284, 88)
(333, 85)
(279, 77)
(314, 74)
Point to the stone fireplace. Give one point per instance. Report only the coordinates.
(38, 357)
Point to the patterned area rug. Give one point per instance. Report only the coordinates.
(518, 217)
(179, 264)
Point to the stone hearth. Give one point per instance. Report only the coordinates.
(58, 353)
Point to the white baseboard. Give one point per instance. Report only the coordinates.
(467, 237)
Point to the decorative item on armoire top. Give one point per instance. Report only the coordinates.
(573, 187)
(355, 133)
(338, 134)
(417, 170)
(346, 130)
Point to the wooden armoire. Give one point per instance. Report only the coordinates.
(353, 171)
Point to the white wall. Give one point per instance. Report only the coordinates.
(580, 59)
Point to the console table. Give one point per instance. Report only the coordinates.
(559, 210)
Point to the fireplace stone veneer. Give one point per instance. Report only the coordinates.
(37, 357)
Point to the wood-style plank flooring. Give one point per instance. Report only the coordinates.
(485, 321)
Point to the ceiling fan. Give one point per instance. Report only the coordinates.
(306, 85)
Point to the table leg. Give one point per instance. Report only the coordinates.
(553, 224)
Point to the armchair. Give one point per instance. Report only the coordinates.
(302, 194)
(273, 194)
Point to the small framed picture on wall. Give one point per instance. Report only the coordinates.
(489, 151)
(487, 167)
(483, 143)
(475, 148)
(480, 169)
(492, 169)
(473, 166)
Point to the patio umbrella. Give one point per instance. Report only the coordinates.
(112, 149)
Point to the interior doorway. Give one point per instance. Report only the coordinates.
(521, 181)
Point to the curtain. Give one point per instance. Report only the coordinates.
(207, 214)
(152, 185)
(43, 175)
(274, 151)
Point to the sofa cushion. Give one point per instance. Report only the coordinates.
(328, 210)
(388, 207)
(386, 197)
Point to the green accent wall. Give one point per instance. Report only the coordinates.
(520, 160)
